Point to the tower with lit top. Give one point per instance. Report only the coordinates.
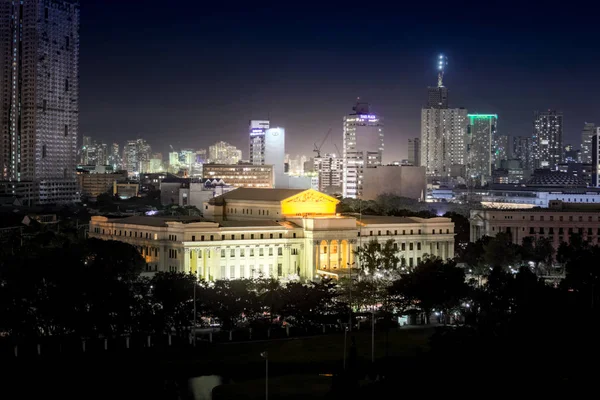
(443, 130)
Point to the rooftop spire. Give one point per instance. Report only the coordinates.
(442, 62)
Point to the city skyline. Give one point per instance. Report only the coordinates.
(307, 97)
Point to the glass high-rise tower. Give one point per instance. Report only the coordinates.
(39, 99)
(547, 139)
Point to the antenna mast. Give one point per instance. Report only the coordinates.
(442, 62)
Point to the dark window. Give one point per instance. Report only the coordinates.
(280, 235)
(242, 237)
(46, 13)
(193, 238)
(403, 246)
(262, 236)
(590, 231)
(279, 269)
(410, 246)
(279, 251)
(541, 230)
(560, 231)
(66, 85)
(418, 246)
(67, 40)
(551, 231)
(295, 234)
(270, 236)
(202, 238)
(232, 237)
(44, 105)
(44, 151)
(532, 230)
(66, 130)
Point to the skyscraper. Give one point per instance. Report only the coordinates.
(522, 150)
(39, 99)
(443, 131)
(363, 147)
(482, 128)
(257, 130)
(547, 139)
(274, 154)
(500, 150)
(589, 130)
(130, 157)
(330, 171)
(437, 96)
(596, 159)
(414, 152)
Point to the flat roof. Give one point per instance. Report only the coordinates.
(259, 194)
(384, 219)
(156, 221)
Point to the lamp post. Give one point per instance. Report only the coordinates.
(345, 336)
(194, 327)
(373, 337)
(265, 355)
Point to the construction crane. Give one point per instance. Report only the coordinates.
(318, 148)
(338, 151)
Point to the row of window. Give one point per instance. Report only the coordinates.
(148, 235)
(241, 271)
(551, 218)
(389, 233)
(247, 211)
(243, 236)
(543, 230)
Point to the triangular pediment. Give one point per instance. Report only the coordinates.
(310, 196)
(309, 202)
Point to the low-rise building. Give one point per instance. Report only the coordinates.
(241, 175)
(282, 233)
(403, 181)
(556, 223)
(94, 184)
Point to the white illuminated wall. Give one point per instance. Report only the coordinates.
(275, 154)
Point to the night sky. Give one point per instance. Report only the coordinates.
(189, 74)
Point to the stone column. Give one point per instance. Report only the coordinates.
(329, 255)
(317, 247)
(186, 260)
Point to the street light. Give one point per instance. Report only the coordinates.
(345, 335)
(265, 355)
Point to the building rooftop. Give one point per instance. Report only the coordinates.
(156, 221)
(556, 179)
(255, 223)
(382, 219)
(258, 194)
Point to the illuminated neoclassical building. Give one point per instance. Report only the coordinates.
(283, 233)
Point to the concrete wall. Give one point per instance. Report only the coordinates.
(404, 181)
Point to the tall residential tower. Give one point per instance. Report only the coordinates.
(363, 147)
(482, 129)
(548, 139)
(443, 131)
(39, 99)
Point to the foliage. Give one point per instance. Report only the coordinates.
(433, 284)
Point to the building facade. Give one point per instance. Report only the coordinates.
(241, 175)
(224, 153)
(404, 181)
(257, 130)
(39, 99)
(482, 128)
(522, 150)
(414, 152)
(548, 139)
(443, 140)
(589, 129)
(330, 170)
(596, 159)
(554, 224)
(289, 244)
(363, 147)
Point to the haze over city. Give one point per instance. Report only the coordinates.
(194, 74)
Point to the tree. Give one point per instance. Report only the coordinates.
(500, 251)
(433, 284)
(173, 294)
(232, 302)
(540, 251)
(375, 260)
